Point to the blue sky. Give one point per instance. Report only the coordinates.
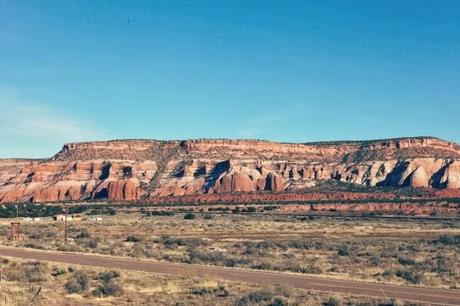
(292, 71)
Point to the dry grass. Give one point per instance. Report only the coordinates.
(394, 251)
(137, 288)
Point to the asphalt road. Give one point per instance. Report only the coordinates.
(416, 294)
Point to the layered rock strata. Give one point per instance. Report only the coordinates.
(133, 170)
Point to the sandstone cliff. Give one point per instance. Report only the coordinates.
(130, 170)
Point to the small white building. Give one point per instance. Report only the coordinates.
(62, 218)
(28, 219)
(69, 218)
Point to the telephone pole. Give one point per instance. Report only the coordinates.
(65, 224)
(17, 220)
(15, 226)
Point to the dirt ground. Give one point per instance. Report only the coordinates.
(37, 283)
(420, 252)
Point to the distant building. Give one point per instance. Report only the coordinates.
(27, 219)
(61, 218)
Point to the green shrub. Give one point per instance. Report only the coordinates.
(107, 289)
(14, 275)
(107, 276)
(299, 244)
(58, 271)
(374, 261)
(406, 261)
(159, 213)
(84, 233)
(283, 291)
(219, 291)
(447, 240)
(202, 290)
(189, 216)
(278, 301)
(34, 271)
(107, 286)
(333, 301)
(34, 245)
(394, 302)
(343, 250)
(387, 273)
(36, 234)
(29, 210)
(173, 242)
(256, 297)
(102, 211)
(77, 283)
(263, 265)
(140, 250)
(236, 210)
(133, 238)
(444, 264)
(213, 257)
(91, 243)
(412, 277)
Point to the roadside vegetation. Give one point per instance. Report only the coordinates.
(39, 210)
(37, 283)
(415, 252)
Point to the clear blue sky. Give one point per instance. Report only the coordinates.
(292, 71)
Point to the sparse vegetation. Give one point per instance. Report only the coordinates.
(189, 216)
(75, 285)
(333, 301)
(422, 252)
(133, 238)
(262, 296)
(107, 287)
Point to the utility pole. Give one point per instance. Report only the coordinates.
(15, 226)
(65, 224)
(17, 220)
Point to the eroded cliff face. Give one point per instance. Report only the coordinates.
(130, 170)
(53, 181)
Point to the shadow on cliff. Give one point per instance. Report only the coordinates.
(211, 179)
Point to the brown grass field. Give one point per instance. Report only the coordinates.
(400, 251)
(36, 283)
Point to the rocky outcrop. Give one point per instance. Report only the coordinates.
(122, 190)
(53, 181)
(132, 170)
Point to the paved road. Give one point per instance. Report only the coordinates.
(416, 294)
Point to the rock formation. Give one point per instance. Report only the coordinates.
(130, 170)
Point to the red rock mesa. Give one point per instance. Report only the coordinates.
(131, 170)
